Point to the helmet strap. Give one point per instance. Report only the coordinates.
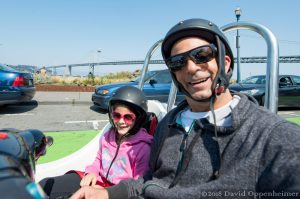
(221, 80)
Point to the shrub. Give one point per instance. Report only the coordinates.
(90, 80)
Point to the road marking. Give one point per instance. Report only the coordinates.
(287, 112)
(84, 121)
(19, 114)
(95, 123)
(295, 114)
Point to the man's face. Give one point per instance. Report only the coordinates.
(196, 78)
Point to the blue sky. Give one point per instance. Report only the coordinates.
(55, 32)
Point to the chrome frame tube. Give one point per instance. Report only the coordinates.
(271, 95)
(172, 97)
(147, 62)
(173, 90)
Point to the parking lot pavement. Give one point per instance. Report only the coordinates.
(48, 98)
(63, 97)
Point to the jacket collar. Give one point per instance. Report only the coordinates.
(238, 114)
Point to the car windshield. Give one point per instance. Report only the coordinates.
(7, 68)
(149, 74)
(254, 80)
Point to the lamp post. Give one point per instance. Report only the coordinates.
(238, 13)
(92, 66)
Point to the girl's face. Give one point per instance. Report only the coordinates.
(123, 118)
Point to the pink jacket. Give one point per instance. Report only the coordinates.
(132, 158)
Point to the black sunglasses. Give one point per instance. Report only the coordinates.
(198, 55)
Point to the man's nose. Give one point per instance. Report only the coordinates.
(191, 66)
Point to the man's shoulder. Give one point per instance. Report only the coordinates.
(268, 122)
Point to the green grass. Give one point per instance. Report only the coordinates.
(295, 120)
(66, 143)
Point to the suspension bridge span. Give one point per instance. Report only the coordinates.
(257, 59)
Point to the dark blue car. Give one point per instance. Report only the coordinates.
(288, 89)
(157, 87)
(15, 86)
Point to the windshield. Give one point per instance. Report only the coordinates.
(7, 68)
(254, 80)
(149, 74)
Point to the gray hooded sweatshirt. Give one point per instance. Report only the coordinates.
(257, 157)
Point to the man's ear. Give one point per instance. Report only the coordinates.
(227, 63)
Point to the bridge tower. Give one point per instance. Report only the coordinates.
(68, 70)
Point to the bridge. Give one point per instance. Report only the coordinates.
(258, 59)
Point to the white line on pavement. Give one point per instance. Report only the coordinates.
(287, 112)
(94, 122)
(19, 114)
(96, 125)
(84, 121)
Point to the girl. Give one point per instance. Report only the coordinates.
(124, 149)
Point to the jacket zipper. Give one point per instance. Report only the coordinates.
(183, 147)
(116, 154)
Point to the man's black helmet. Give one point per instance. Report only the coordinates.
(133, 98)
(205, 30)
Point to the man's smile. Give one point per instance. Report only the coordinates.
(199, 81)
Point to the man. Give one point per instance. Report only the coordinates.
(214, 144)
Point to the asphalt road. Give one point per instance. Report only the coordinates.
(62, 117)
(64, 111)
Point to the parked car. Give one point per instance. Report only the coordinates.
(157, 87)
(15, 86)
(288, 91)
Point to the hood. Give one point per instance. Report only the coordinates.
(241, 86)
(141, 136)
(117, 85)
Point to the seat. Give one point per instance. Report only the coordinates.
(151, 123)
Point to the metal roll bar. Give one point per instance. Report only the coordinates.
(271, 96)
(147, 62)
(173, 90)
